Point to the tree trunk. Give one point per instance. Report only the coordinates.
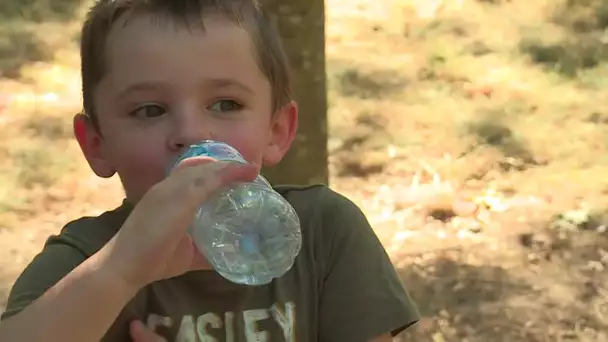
(301, 24)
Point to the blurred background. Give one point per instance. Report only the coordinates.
(473, 133)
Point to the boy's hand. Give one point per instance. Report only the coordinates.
(153, 243)
(140, 333)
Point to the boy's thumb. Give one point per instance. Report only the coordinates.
(140, 333)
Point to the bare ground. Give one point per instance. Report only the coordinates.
(472, 133)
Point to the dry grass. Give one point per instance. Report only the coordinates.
(501, 95)
(462, 82)
(39, 94)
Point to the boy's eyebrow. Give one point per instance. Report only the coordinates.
(213, 82)
(228, 82)
(141, 87)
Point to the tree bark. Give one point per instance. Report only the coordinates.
(301, 24)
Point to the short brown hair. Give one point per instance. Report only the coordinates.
(248, 14)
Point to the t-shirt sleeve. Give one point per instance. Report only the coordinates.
(362, 295)
(46, 269)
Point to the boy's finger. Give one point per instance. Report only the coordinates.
(199, 182)
(198, 261)
(197, 177)
(186, 251)
(140, 333)
(181, 194)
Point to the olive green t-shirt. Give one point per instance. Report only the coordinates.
(341, 288)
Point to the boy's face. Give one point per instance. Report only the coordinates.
(167, 87)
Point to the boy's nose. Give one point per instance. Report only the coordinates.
(188, 132)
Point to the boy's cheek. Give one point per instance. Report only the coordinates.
(143, 161)
(249, 140)
(251, 151)
(141, 169)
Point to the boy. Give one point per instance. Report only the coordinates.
(159, 75)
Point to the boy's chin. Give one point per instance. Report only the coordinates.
(134, 195)
(132, 199)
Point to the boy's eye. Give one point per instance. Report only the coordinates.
(225, 106)
(149, 111)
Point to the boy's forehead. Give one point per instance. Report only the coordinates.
(146, 49)
(133, 30)
(134, 21)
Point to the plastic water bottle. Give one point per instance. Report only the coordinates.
(248, 232)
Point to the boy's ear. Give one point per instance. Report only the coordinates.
(282, 133)
(91, 144)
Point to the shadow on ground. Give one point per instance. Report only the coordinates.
(582, 48)
(27, 31)
(538, 294)
(38, 11)
(369, 85)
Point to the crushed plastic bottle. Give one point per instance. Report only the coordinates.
(248, 232)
